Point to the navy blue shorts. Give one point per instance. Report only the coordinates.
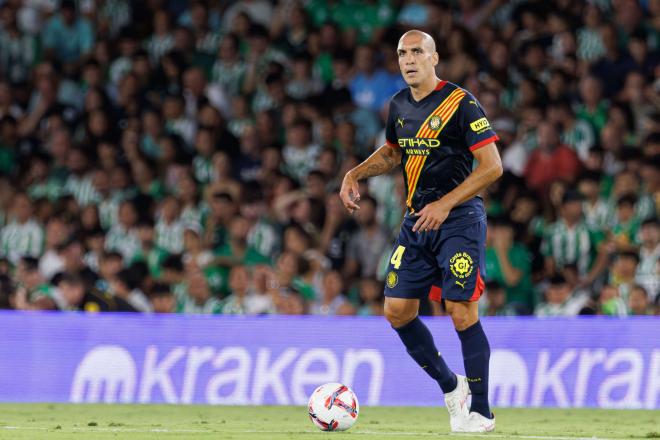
(448, 263)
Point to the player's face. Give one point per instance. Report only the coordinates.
(417, 59)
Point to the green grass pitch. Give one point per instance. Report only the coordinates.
(50, 421)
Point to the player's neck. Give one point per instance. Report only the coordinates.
(423, 90)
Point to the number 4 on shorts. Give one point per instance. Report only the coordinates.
(397, 256)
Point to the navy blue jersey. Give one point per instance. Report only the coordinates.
(437, 136)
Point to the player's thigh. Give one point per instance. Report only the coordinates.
(411, 269)
(462, 260)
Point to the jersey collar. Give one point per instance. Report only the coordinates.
(437, 88)
(440, 85)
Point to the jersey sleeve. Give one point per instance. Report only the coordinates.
(390, 129)
(474, 126)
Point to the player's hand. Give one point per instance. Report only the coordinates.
(431, 216)
(350, 193)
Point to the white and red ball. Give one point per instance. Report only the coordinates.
(333, 407)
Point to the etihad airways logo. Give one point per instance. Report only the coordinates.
(418, 142)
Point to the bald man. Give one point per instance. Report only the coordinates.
(435, 130)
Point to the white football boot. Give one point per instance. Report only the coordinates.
(475, 422)
(456, 403)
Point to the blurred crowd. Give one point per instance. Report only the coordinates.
(185, 156)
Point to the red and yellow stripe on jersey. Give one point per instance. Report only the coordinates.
(445, 111)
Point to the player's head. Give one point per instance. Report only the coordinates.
(417, 57)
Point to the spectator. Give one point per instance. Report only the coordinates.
(509, 264)
(124, 286)
(38, 293)
(368, 244)
(57, 231)
(333, 298)
(371, 87)
(198, 298)
(638, 301)
(68, 36)
(300, 153)
(243, 300)
(122, 236)
(236, 252)
(559, 300)
(596, 210)
(551, 160)
(22, 236)
(570, 241)
(169, 228)
(77, 297)
(626, 225)
(162, 299)
(610, 302)
(371, 297)
(648, 270)
(622, 275)
(18, 50)
(494, 303)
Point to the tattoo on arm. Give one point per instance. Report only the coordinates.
(380, 162)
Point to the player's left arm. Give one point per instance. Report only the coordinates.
(479, 139)
(488, 171)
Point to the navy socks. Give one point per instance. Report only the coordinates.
(476, 354)
(419, 342)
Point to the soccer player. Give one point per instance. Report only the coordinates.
(434, 130)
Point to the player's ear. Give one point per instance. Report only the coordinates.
(436, 58)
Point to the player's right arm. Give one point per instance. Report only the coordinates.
(381, 161)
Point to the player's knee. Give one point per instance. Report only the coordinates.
(462, 317)
(398, 316)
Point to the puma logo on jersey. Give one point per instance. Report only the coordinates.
(400, 121)
(461, 284)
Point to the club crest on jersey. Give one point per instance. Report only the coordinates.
(435, 123)
(392, 279)
(461, 265)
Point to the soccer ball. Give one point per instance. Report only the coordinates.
(333, 407)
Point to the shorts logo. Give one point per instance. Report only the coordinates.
(392, 279)
(480, 125)
(435, 123)
(461, 265)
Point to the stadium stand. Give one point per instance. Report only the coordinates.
(186, 156)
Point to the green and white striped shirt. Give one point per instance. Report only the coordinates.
(264, 238)
(580, 138)
(193, 217)
(202, 169)
(170, 236)
(124, 241)
(20, 240)
(576, 245)
(571, 307)
(50, 189)
(644, 209)
(17, 55)
(598, 215)
(590, 45)
(82, 189)
(229, 76)
(209, 43)
(158, 45)
(188, 305)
